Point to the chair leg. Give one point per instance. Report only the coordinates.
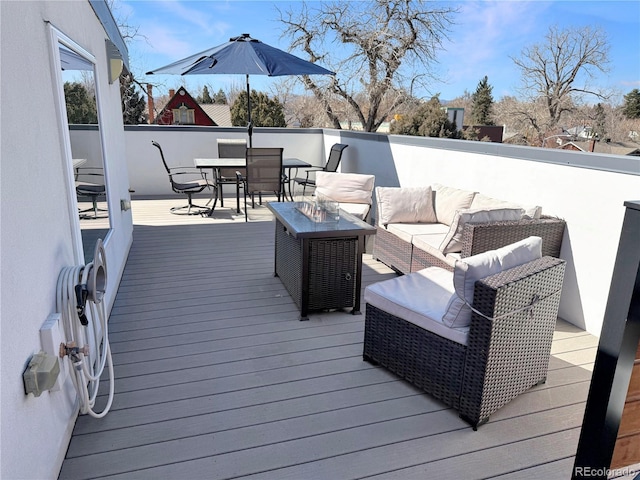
(94, 208)
(246, 215)
(237, 197)
(189, 206)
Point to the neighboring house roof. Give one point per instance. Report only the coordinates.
(615, 148)
(582, 131)
(220, 113)
(517, 139)
(183, 98)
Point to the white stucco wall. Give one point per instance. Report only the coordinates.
(38, 226)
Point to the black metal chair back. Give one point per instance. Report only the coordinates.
(335, 155)
(187, 187)
(264, 170)
(230, 148)
(263, 174)
(164, 162)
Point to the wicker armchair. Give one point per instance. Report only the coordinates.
(507, 349)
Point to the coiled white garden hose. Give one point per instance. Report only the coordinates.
(87, 366)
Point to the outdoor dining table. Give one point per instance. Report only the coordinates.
(288, 164)
(78, 162)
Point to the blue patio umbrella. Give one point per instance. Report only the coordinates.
(243, 55)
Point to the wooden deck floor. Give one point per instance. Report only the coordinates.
(217, 378)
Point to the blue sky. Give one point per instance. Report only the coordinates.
(485, 36)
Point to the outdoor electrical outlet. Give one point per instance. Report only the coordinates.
(41, 373)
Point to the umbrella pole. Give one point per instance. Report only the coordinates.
(249, 113)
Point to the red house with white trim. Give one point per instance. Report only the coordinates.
(182, 109)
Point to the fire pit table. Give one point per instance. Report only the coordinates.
(318, 256)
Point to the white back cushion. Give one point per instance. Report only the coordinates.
(468, 270)
(484, 202)
(405, 205)
(448, 200)
(346, 187)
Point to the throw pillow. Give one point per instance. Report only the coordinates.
(405, 205)
(468, 270)
(453, 241)
(448, 200)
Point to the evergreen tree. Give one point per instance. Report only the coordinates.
(631, 107)
(133, 104)
(81, 107)
(220, 98)
(265, 112)
(482, 109)
(428, 120)
(205, 97)
(599, 123)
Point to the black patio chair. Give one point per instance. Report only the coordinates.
(263, 174)
(335, 155)
(188, 187)
(89, 183)
(230, 148)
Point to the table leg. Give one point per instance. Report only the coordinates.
(214, 197)
(290, 177)
(275, 255)
(214, 190)
(304, 302)
(356, 306)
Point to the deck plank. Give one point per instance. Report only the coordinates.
(216, 377)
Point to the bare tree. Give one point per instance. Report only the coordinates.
(520, 119)
(373, 47)
(559, 71)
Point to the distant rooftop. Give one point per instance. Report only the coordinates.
(221, 114)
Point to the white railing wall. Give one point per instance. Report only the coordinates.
(586, 189)
(182, 144)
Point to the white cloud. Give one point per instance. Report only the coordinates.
(486, 35)
(201, 15)
(167, 41)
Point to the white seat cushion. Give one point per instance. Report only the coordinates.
(468, 270)
(406, 231)
(431, 245)
(421, 298)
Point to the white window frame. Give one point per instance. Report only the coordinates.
(59, 38)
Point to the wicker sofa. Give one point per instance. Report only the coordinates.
(475, 367)
(418, 227)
